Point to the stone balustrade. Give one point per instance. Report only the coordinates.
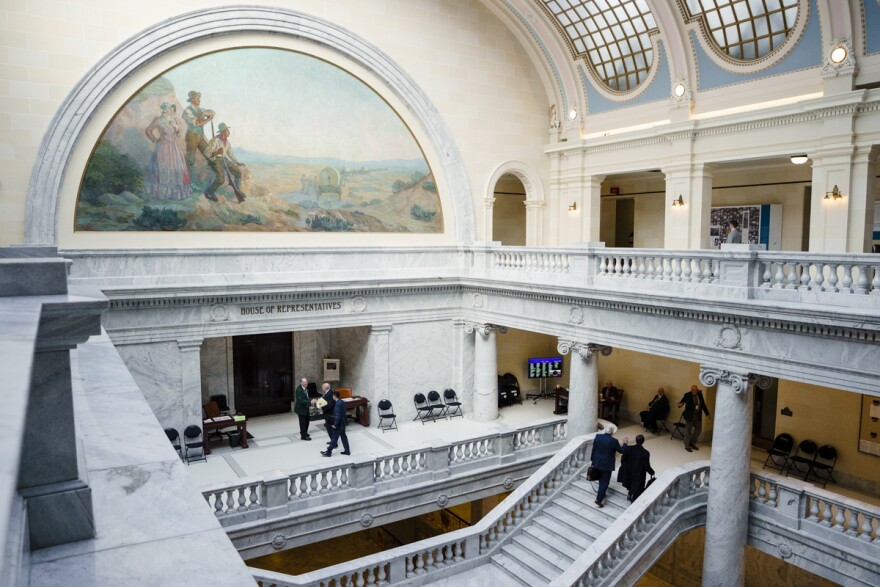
(435, 558)
(531, 259)
(282, 493)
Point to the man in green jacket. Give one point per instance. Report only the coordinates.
(301, 404)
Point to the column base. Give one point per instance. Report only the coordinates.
(59, 513)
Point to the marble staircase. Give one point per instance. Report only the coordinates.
(559, 534)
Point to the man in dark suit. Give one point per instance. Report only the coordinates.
(609, 395)
(694, 408)
(634, 465)
(603, 459)
(301, 404)
(327, 408)
(657, 410)
(338, 427)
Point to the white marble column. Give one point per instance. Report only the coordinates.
(485, 370)
(583, 385)
(191, 380)
(534, 223)
(380, 345)
(463, 364)
(727, 512)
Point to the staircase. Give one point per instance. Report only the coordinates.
(559, 534)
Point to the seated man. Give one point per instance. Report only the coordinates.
(658, 408)
(609, 396)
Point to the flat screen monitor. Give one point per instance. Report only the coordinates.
(542, 368)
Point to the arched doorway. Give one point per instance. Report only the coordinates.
(509, 211)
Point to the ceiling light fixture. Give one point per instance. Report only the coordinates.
(679, 90)
(799, 159)
(838, 54)
(572, 114)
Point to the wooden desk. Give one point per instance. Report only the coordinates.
(240, 426)
(361, 407)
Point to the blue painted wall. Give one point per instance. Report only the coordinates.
(807, 54)
(872, 25)
(658, 90)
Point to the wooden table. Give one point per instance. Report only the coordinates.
(361, 407)
(562, 396)
(240, 426)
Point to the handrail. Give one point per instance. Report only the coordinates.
(279, 493)
(444, 555)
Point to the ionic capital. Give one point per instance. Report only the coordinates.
(710, 376)
(584, 350)
(484, 329)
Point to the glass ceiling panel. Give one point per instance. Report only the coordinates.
(621, 55)
(746, 29)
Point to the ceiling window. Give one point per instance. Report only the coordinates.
(746, 30)
(612, 35)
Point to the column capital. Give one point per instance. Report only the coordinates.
(739, 382)
(190, 344)
(584, 350)
(484, 328)
(381, 328)
(535, 203)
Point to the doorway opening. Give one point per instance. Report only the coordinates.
(764, 415)
(263, 373)
(509, 212)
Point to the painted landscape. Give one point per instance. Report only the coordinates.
(258, 139)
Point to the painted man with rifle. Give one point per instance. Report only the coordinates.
(226, 167)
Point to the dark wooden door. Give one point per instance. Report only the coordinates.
(263, 373)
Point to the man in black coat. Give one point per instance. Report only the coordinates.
(338, 427)
(603, 458)
(634, 465)
(658, 408)
(328, 408)
(694, 408)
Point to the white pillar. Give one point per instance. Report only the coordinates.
(583, 386)
(485, 370)
(191, 381)
(727, 511)
(534, 223)
(591, 220)
(687, 226)
(381, 359)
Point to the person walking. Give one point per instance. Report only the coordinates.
(327, 404)
(603, 459)
(337, 428)
(634, 465)
(694, 408)
(301, 404)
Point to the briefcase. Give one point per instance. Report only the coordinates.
(593, 474)
(651, 480)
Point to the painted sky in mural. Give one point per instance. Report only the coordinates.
(258, 139)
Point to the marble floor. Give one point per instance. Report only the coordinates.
(276, 445)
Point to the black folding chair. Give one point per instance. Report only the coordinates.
(803, 459)
(424, 411)
(453, 406)
(779, 453)
(438, 408)
(823, 466)
(174, 438)
(192, 433)
(387, 417)
(678, 428)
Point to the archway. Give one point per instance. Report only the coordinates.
(512, 181)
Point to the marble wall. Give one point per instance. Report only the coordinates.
(413, 370)
(156, 367)
(216, 369)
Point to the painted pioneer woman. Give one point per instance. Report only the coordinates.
(167, 175)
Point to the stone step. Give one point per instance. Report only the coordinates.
(575, 537)
(554, 541)
(613, 494)
(517, 571)
(546, 551)
(567, 523)
(533, 561)
(612, 502)
(585, 514)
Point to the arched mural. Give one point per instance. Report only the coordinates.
(258, 139)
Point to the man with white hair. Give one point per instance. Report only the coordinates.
(604, 460)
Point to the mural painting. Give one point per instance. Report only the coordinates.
(258, 139)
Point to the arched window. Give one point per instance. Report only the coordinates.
(612, 35)
(745, 30)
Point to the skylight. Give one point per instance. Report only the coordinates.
(613, 36)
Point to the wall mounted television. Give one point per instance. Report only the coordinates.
(545, 367)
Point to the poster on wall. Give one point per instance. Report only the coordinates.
(760, 225)
(261, 140)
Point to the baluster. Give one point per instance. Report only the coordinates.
(667, 269)
(325, 481)
(457, 552)
(395, 467)
(649, 267)
(875, 283)
(218, 503)
(832, 278)
(230, 501)
(381, 577)
(861, 286)
(779, 278)
(768, 272)
(772, 495)
(616, 266)
(814, 510)
(847, 279)
(840, 519)
(359, 579)
(708, 271)
(409, 567)
(676, 272)
(242, 499)
(826, 514)
(791, 277)
(761, 493)
(603, 265)
(819, 277)
(420, 564)
(867, 527)
(688, 269)
(853, 529)
(805, 277)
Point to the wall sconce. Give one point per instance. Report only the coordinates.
(573, 207)
(678, 202)
(799, 159)
(834, 194)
